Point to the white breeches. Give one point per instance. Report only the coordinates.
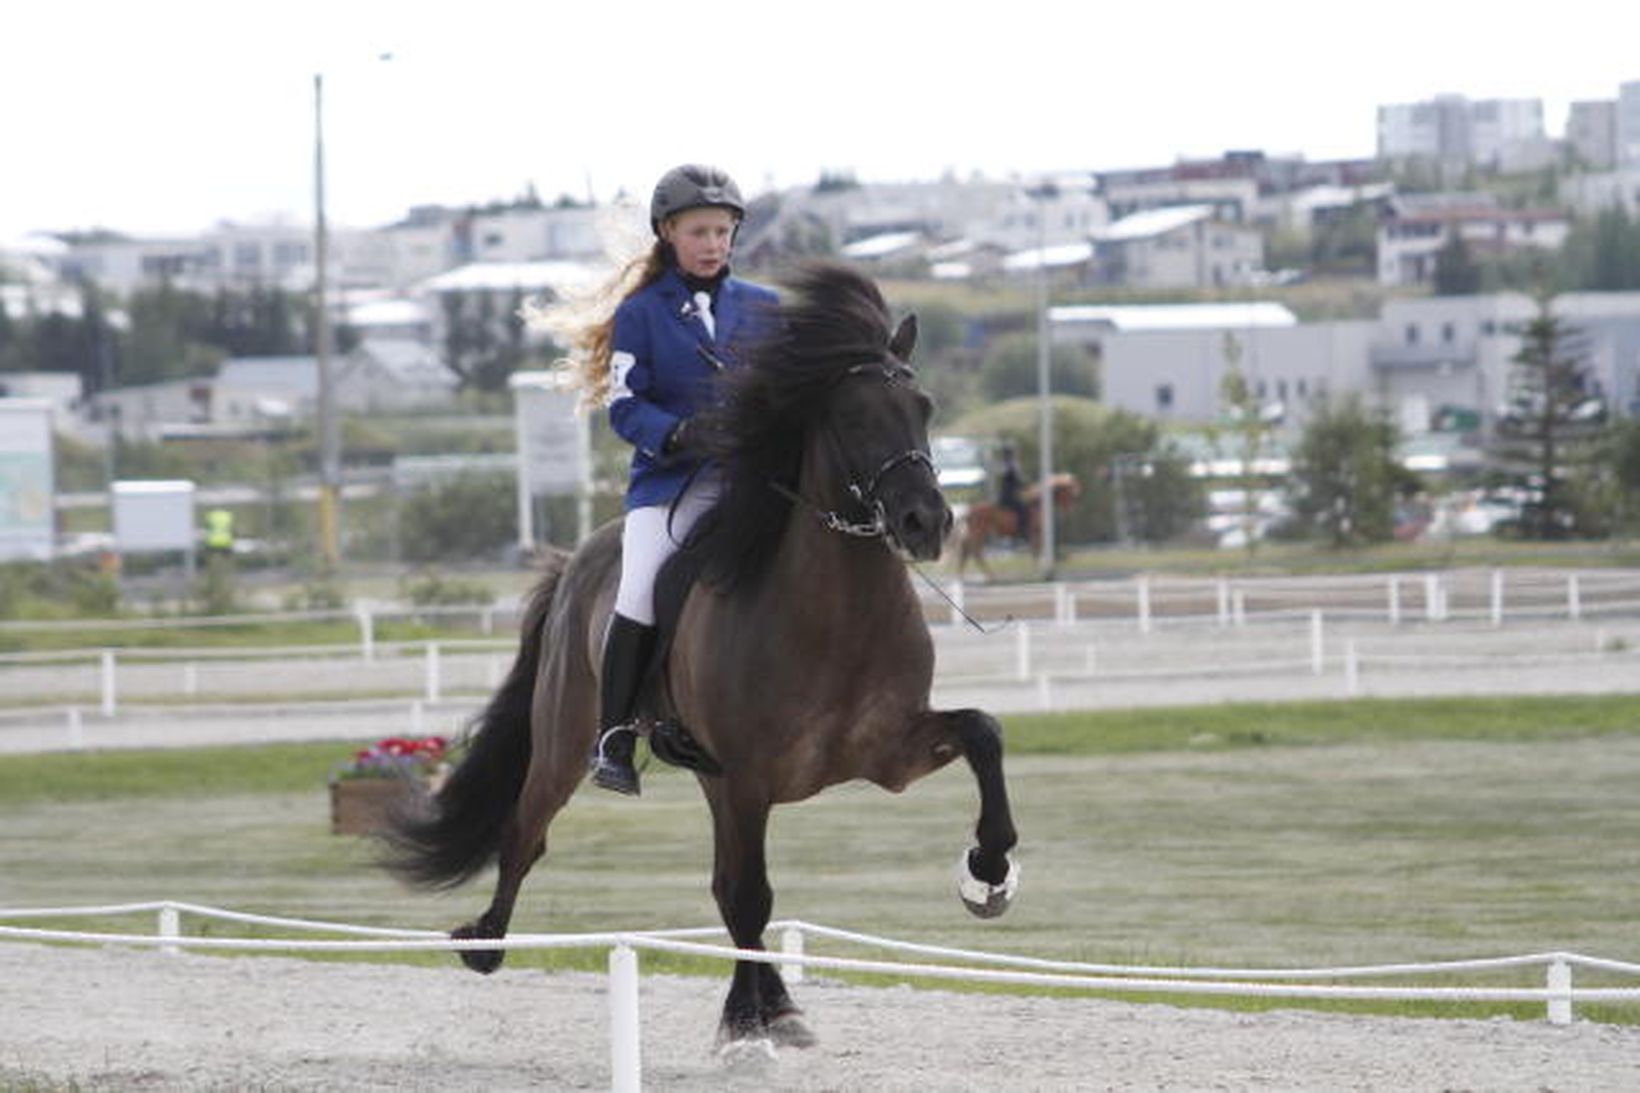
(651, 536)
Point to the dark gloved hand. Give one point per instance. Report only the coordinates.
(678, 441)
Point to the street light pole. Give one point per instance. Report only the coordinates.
(329, 437)
(1044, 389)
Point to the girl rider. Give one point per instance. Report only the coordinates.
(679, 319)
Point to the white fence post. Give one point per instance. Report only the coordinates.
(486, 620)
(367, 633)
(190, 679)
(1224, 602)
(1022, 650)
(1064, 604)
(1143, 591)
(1497, 597)
(110, 702)
(1238, 607)
(1352, 670)
(76, 729)
(170, 925)
(625, 1061)
(1574, 598)
(415, 717)
(1560, 983)
(1394, 599)
(791, 943)
(492, 671)
(1317, 646)
(957, 604)
(1044, 692)
(433, 682)
(1432, 597)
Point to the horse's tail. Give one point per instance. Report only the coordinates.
(448, 843)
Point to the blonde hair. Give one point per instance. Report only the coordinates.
(584, 323)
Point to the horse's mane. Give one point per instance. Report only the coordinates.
(831, 318)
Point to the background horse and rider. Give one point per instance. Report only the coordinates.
(989, 523)
(794, 653)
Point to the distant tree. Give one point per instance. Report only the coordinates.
(1616, 260)
(1456, 271)
(1345, 474)
(1602, 254)
(169, 336)
(1009, 369)
(1625, 457)
(1244, 432)
(1547, 436)
(13, 357)
(470, 516)
(1622, 470)
(835, 182)
(1154, 496)
(1347, 244)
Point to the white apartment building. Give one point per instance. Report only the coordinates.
(1628, 124)
(1591, 133)
(1484, 132)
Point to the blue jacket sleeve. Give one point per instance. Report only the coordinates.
(632, 413)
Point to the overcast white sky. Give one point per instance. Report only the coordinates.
(169, 115)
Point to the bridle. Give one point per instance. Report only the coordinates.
(864, 491)
(893, 372)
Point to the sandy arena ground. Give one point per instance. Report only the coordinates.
(104, 1019)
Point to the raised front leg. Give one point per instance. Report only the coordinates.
(987, 876)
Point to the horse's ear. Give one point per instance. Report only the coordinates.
(904, 339)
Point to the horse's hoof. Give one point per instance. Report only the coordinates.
(789, 1030)
(983, 899)
(751, 1054)
(482, 961)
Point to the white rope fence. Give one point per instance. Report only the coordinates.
(1558, 994)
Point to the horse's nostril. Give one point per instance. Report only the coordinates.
(912, 522)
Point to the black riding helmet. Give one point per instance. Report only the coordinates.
(694, 186)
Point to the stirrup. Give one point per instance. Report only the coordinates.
(610, 773)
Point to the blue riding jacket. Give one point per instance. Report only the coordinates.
(662, 362)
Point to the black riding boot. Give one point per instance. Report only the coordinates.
(627, 648)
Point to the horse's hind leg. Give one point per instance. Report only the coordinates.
(523, 842)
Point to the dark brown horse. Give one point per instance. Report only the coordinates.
(986, 521)
(800, 658)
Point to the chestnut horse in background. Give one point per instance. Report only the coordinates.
(986, 521)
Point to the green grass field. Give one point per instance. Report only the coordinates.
(1294, 835)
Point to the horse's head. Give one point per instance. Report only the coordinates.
(875, 436)
(825, 416)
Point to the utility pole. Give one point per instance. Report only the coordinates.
(1044, 390)
(329, 436)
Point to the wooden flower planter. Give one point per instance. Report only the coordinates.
(362, 806)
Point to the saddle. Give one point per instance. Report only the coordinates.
(669, 738)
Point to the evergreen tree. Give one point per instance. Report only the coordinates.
(1345, 475)
(1547, 435)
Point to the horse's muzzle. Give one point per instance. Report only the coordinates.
(921, 526)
